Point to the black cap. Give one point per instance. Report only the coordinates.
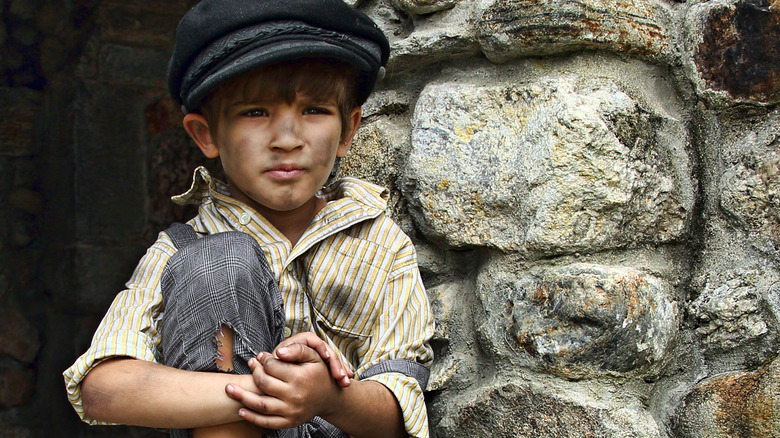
(218, 40)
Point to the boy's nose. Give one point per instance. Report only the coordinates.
(286, 132)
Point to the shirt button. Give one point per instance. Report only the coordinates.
(245, 218)
(287, 332)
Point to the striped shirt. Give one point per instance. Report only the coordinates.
(352, 278)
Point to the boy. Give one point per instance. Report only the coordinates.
(274, 90)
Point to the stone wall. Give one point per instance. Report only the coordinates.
(593, 188)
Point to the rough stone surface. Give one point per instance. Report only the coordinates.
(735, 49)
(514, 409)
(733, 405)
(509, 30)
(376, 157)
(736, 311)
(424, 6)
(122, 22)
(457, 366)
(442, 39)
(580, 320)
(561, 165)
(750, 183)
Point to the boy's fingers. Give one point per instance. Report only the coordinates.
(267, 421)
(273, 373)
(343, 382)
(311, 340)
(266, 374)
(259, 409)
(296, 353)
(235, 392)
(339, 370)
(259, 403)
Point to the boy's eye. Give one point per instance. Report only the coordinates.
(316, 110)
(255, 112)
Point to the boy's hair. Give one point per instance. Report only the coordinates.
(324, 79)
(220, 40)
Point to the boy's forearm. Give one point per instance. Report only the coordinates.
(368, 409)
(141, 393)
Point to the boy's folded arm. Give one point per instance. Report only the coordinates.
(136, 392)
(295, 388)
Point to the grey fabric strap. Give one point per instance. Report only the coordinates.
(181, 234)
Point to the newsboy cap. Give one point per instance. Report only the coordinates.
(218, 40)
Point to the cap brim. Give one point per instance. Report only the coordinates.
(269, 54)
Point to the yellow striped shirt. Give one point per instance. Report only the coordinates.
(352, 278)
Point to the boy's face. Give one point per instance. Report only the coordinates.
(276, 154)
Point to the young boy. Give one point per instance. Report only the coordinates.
(289, 287)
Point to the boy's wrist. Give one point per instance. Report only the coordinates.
(365, 408)
(338, 407)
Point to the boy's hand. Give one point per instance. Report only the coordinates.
(338, 369)
(295, 390)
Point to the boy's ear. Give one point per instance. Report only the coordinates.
(353, 120)
(198, 129)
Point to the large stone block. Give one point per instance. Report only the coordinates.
(376, 156)
(741, 404)
(374, 153)
(578, 321)
(736, 313)
(456, 365)
(436, 39)
(513, 29)
(749, 185)
(24, 10)
(518, 409)
(424, 6)
(561, 165)
(734, 51)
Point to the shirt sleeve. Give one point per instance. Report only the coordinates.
(129, 327)
(400, 357)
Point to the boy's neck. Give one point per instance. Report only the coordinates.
(293, 224)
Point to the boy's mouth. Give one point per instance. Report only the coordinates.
(285, 171)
